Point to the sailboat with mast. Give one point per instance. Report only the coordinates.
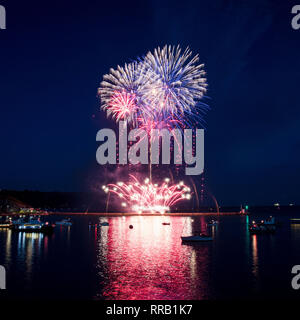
(197, 237)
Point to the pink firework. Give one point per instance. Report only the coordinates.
(122, 106)
(149, 197)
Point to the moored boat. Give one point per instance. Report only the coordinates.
(64, 222)
(295, 221)
(212, 223)
(265, 226)
(5, 223)
(269, 222)
(197, 238)
(33, 225)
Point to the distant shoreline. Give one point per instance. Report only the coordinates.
(120, 214)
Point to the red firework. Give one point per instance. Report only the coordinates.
(122, 106)
(149, 197)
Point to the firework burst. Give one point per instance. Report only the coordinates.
(122, 106)
(166, 86)
(177, 84)
(149, 197)
(120, 92)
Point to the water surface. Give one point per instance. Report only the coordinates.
(149, 261)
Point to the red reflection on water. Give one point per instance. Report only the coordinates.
(149, 261)
(255, 264)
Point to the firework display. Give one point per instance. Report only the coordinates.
(165, 86)
(161, 90)
(149, 197)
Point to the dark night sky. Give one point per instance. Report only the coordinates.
(54, 53)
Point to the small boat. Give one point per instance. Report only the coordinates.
(104, 224)
(22, 221)
(212, 223)
(295, 221)
(166, 223)
(254, 229)
(18, 221)
(197, 238)
(33, 225)
(5, 223)
(269, 222)
(64, 222)
(267, 226)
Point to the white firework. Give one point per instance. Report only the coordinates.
(120, 92)
(177, 83)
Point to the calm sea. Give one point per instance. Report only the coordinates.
(149, 261)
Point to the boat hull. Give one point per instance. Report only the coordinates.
(262, 230)
(5, 225)
(47, 229)
(196, 239)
